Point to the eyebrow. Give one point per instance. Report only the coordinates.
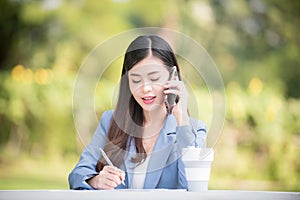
(150, 73)
(135, 75)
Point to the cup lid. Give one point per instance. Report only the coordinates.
(194, 153)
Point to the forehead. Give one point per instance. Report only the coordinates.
(148, 65)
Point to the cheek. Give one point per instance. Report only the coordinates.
(135, 91)
(133, 88)
(160, 90)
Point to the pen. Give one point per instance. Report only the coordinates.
(108, 160)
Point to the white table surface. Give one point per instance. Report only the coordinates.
(146, 195)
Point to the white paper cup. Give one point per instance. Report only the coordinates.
(197, 162)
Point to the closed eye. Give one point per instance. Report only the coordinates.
(154, 79)
(136, 81)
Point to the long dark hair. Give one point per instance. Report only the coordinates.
(127, 122)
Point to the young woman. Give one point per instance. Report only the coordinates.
(144, 135)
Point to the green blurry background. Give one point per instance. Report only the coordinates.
(254, 43)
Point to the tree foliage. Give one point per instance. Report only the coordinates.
(255, 44)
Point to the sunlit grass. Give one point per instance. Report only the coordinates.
(26, 173)
(31, 181)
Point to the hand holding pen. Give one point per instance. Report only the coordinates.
(109, 162)
(109, 177)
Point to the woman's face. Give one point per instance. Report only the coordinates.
(146, 80)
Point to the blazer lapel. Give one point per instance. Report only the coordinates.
(129, 165)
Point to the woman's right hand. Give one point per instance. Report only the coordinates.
(108, 178)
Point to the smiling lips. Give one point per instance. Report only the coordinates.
(148, 99)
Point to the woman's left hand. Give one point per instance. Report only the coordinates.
(180, 110)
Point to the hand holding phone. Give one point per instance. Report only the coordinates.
(172, 97)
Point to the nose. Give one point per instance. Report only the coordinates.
(147, 87)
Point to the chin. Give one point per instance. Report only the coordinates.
(149, 108)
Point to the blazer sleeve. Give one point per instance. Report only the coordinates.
(193, 135)
(86, 166)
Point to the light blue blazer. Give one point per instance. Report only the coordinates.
(165, 168)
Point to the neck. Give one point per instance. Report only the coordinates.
(154, 120)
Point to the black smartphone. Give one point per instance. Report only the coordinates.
(172, 97)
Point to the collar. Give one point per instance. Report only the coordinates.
(159, 155)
